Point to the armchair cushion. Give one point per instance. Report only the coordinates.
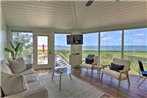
(84, 65)
(17, 66)
(114, 74)
(116, 67)
(121, 74)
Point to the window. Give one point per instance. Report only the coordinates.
(26, 38)
(135, 47)
(110, 46)
(90, 44)
(42, 50)
(61, 45)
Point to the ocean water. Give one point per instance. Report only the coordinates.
(112, 48)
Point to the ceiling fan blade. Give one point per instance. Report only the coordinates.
(89, 2)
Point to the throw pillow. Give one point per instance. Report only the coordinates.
(116, 67)
(89, 61)
(17, 65)
(5, 67)
(12, 84)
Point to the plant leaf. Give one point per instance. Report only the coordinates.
(17, 53)
(8, 50)
(17, 47)
(13, 55)
(11, 44)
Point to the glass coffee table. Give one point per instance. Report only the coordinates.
(61, 68)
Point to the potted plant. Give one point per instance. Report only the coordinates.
(14, 50)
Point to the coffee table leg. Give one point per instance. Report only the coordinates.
(53, 74)
(99, 71)
(60, 82)
(70, 76)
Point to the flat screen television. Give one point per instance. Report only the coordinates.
(74, 39)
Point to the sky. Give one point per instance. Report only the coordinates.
(42, 40)
(61, 40)
(133, 37)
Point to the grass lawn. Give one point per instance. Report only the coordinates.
(106, 57)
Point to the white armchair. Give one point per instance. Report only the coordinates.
(121, 74)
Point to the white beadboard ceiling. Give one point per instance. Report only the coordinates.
(74, 16)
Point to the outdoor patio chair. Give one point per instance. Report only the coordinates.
(142, 72)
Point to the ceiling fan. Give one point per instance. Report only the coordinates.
(89, 2)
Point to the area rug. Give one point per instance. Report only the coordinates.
(74, 88)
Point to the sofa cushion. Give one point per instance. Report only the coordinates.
(5, 67)
(29, 71)
(114, 74)
(12, 84)
(17, 65)
(29, 66)
(38, 92)
(30, 78)
(116, 67)
(34, 84)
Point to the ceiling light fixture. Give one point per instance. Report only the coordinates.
(89, 2)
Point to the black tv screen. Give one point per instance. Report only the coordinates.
(74, 39)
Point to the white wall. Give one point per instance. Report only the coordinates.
(3, 36)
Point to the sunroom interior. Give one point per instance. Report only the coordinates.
(109, 28)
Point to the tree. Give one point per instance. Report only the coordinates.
(26, 40)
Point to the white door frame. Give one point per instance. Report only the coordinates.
(41, 66)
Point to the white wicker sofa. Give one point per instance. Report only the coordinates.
(22, 84)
